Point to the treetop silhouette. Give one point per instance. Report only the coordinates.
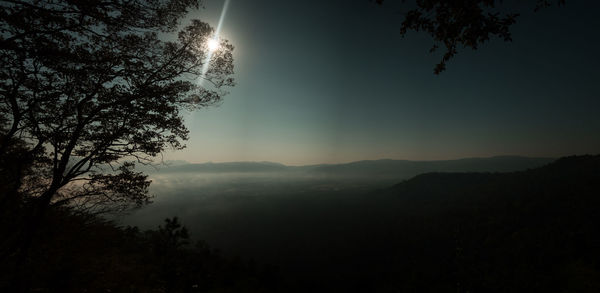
(455, 24)
(88, 88)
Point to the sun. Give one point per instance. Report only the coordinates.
(213, 45)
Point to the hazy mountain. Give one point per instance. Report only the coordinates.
(229, 167)
(412, 168)
(569, 179)
(400, 169)
(176, 162)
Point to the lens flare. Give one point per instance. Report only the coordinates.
(213, 45)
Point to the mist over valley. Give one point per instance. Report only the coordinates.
(331, 217)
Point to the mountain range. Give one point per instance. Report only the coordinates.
(384, 167)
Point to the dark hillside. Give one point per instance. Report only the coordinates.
(526, 231)
(76, 252)
(533, 231)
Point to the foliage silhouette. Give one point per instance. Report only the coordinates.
(89, 88)
(455, 24)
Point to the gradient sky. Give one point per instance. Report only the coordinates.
(333, 81)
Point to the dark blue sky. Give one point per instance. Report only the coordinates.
(333, 81)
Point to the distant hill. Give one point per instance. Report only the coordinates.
(390, 168)
(527, 231)
(225, 167)
(574, 171)
(404, 168)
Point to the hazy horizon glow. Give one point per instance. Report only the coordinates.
(334, 82)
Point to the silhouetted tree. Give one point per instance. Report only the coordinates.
(466, 23)
(168, 241)
(171, 236)
(87, 88)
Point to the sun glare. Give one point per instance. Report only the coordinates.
(213, 45)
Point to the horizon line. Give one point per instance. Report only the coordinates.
(166, 162)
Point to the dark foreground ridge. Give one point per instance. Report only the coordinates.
(526, 231)
(529, 231)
